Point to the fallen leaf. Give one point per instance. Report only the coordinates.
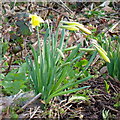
(108, 9)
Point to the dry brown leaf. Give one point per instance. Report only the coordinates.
(108, 9)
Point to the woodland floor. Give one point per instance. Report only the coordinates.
(99, 100)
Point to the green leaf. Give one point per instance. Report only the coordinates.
(15, 76)
(23, 28)
(66, 92)
(117, 104)
(71, 84)
(73, 54)
(23, 68)
(106, 86)
(90, 61)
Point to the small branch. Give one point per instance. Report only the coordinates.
(34, 112)
(114, 79)
(49, 8)
(112, 86)
(62, 4)
(17, 95)
(95, 60)
(112, 109)
(31, 101)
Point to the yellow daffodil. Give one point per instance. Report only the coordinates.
(75, 26)
(35, 20)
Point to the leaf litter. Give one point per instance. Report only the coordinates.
(63, 107)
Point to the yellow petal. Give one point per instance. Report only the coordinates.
(36, 20)
(70, 27)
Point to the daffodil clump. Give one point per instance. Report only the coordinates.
(75, 26)
(35, 20)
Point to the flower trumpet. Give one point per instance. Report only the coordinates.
(35, 20)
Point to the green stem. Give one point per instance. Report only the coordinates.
(38, 40)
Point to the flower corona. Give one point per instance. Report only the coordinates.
(35, 20)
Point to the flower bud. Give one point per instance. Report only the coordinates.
(75, 26)
(101, 49)
(85, 30)
(70, 27)
(102, 54)
(72, 23)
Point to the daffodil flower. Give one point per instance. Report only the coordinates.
(75, 26)
(35, 20)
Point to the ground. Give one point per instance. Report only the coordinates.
(102, 97)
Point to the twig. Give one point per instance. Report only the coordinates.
(31, 101)
(68, 108)
(95, 60)
(92, 98)
(64, 6)
(66, 104)
(114, 79)
(34, 112)
(98, 95)
(109, 107)
(49, 8)
(14, 5)
(17, 95)
(112, 86)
